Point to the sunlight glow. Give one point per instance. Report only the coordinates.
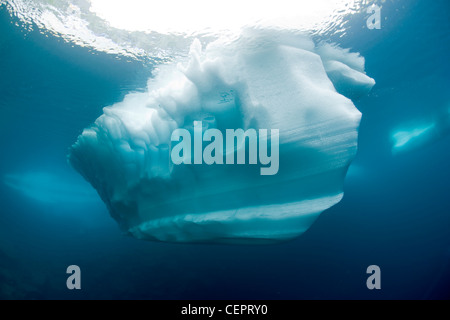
(197, 16)
(158, 31)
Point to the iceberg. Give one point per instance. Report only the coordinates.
(412, 137)
(261, 80)
(407, 139)
(346, 70)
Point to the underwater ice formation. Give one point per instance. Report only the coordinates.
(422, 133)
(50, 188)
(260, 80)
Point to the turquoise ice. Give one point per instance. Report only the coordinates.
(263, 79)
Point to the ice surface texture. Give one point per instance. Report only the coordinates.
(263, 80)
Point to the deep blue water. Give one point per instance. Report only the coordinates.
(395, 214)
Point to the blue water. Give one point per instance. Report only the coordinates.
(395, 213)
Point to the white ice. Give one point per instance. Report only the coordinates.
(263, 79)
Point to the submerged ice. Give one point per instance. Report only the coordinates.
(259, 80)
(190, 150)
(51, 188)
(411, 137)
